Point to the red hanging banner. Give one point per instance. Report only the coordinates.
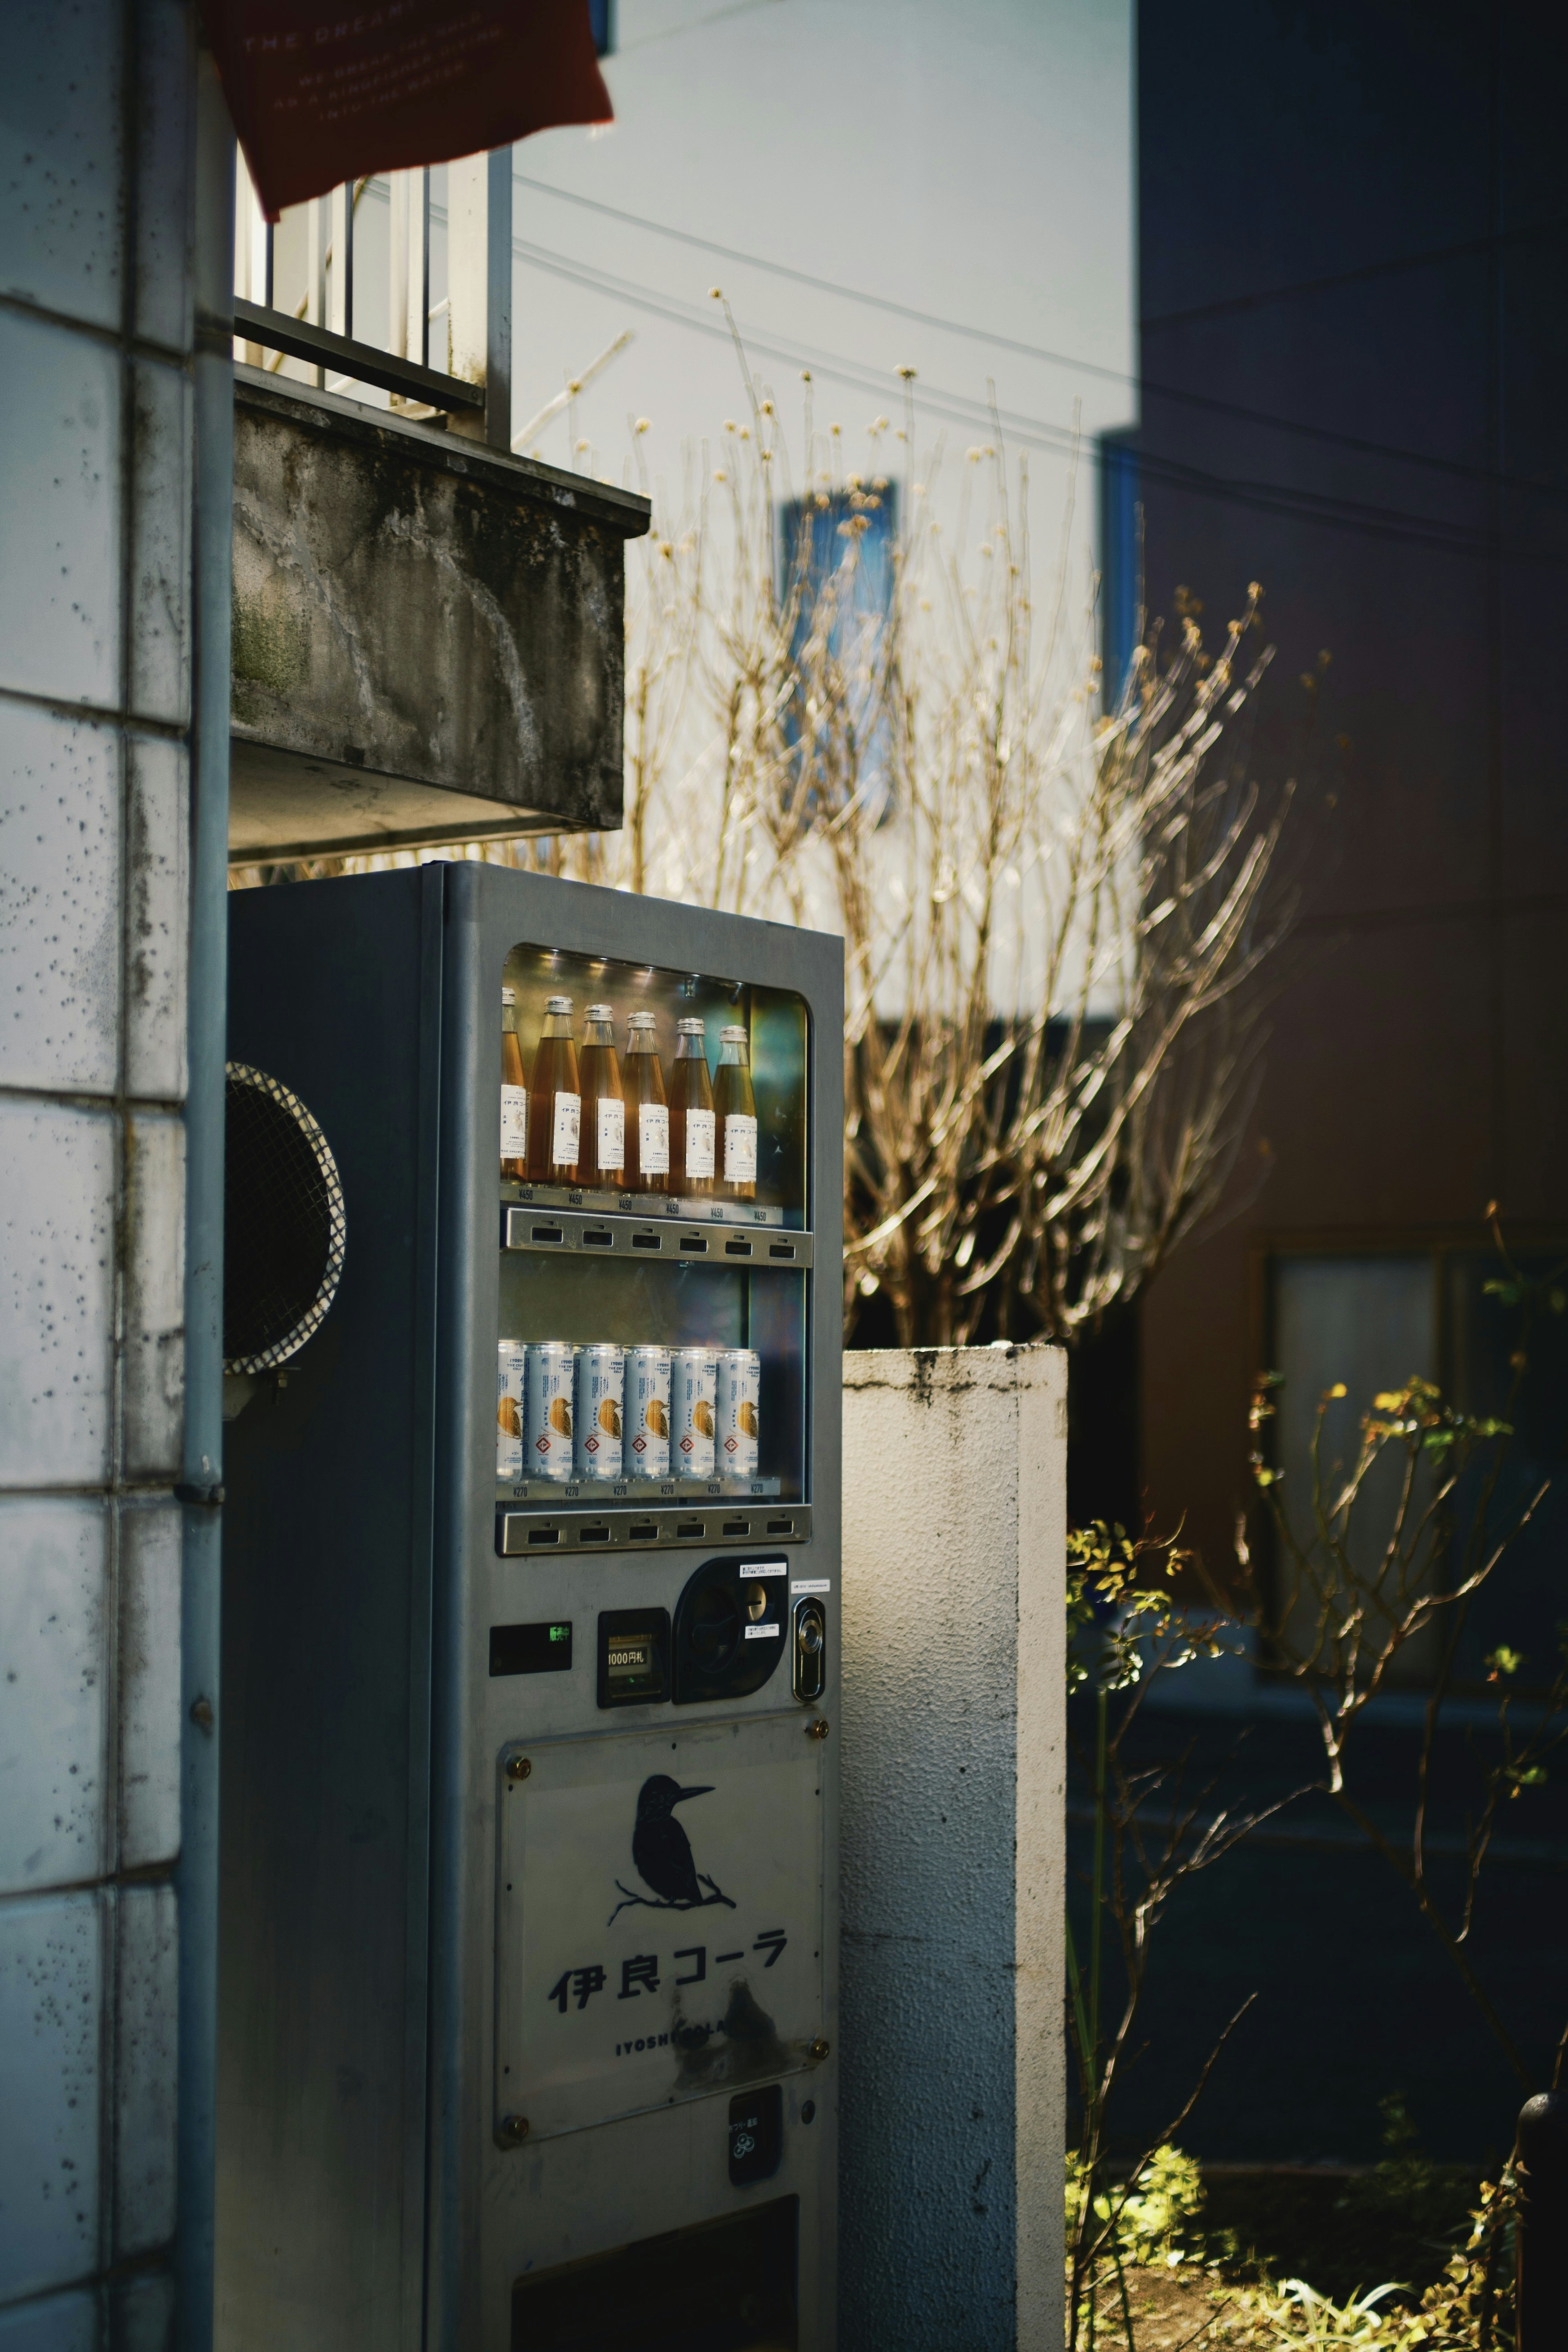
(322, 95)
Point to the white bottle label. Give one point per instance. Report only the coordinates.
(612, 1141)
(653, 1138)
(514, 1122)
(568, 1128)
(700, 1143)
(739, 1148)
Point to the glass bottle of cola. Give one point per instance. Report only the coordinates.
(691, 1112)
(514, 1095)
(555, 1100)
(603, 1158)
(735, 1112)
(647, 1110)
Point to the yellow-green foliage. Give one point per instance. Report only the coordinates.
(1155, 2220)
(1468, 2309)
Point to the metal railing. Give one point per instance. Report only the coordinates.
(347, 285)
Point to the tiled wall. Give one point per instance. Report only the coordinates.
(94, 684)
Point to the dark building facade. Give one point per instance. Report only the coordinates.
(1352, 232)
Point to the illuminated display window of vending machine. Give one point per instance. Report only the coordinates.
(528, 1937)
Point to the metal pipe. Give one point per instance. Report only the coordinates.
(201, 1488)
(349, 258)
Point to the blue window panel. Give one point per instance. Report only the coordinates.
(818, 546)
(601, 18)
(1121, 560)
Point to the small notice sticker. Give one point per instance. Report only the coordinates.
(763, 1567)
(811, 1584)
(763, 1632)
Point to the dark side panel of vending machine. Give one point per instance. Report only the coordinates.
(335, 991)
(528, 1964)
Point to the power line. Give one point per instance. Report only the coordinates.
(1269, 497)
(1138, 383)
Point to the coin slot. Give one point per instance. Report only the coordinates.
(544, 1535)
(721, 1646)
(547, 1233)
(737, 1249)
(647, 1241)
(598, 1239)
(810, 1669)
(697, 1243)
(780, 1249)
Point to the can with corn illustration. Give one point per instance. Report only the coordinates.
(600, 1410)
(511, 1360)
(692, 1377)
(647, 1412)
(735, 1412)
(547, 1410)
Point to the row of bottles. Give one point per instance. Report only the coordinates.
(597, 1121)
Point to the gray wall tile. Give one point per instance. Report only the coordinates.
(157, 903)
(51, 2002)
(165, 157)
(59, 900)
(149, 1686)
(160, 542)
(61, 2323)
(153, 1393)
(54, 1662)
(141, 2313)
(57, 1251)
(60, 495)
(61, 167)
(145, 2044)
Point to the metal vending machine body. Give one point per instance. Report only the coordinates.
(529, 1783)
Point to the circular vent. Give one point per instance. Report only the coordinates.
(284, 1227)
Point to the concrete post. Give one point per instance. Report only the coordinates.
(952, 1852)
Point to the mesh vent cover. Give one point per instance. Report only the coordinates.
(283, 1226)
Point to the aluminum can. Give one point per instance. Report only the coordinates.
(647, 1412)
(693, 1381)
(736, 1412)
(600, 1413)
(512, 1356)
(547, 1409)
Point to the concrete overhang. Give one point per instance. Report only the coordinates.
(427, 634)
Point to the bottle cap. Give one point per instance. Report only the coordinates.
(690, 1028)
(602, 1012)
(509, 996)
(642, 1021)
(735, 1036)
(558, 1004)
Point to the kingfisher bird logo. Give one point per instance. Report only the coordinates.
(662, 1854)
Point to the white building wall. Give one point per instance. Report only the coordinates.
(96, 471)
(975, 165)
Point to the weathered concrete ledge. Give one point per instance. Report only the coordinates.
(427, 632)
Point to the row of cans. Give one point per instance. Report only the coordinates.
(603, 1412)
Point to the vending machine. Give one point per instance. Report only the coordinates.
(528, 1720)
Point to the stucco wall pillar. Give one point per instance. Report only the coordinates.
(97, 655)
(953, 1856)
